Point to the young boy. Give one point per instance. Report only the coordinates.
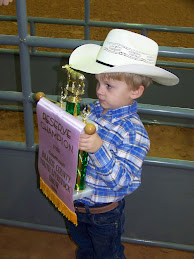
(124, 66)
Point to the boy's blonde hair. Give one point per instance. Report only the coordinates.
(133, 80)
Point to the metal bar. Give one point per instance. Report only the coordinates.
(21, 224)
(71, 44)
(169, 245)
(9, 51)
(175, 64)
(150, 27)
(44, 20)
(18, 96)
(32, 33)
(25, 71)
(52, 54)
(13, 108)
(21, 19)
(142, 26)
(20, 146)
(144, 32)
(87, 19)
(11, 96)
(170, 163)
(9, 18)
(32, 29)
(9, 40)
(37, 53)
(34, 41)
(164, 123)
(166, 111)
(56, 21)
(56, 42)
(176, 52)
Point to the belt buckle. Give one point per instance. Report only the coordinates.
(77, 209)
(80, 209)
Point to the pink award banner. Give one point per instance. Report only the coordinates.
(59, 134)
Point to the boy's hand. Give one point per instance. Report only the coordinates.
(90, 143)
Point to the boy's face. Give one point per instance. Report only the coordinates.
(113, 94)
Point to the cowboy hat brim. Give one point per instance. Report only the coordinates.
(84, 59)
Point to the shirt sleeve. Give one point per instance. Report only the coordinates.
(120, 167)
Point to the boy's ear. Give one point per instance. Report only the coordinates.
(138, 92)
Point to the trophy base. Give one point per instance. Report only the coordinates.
(87, 192)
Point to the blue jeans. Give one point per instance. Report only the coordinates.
(98, 236)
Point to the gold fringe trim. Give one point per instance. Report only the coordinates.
(52, 100)
(58, 203)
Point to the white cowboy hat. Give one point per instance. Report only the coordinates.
(122, 51)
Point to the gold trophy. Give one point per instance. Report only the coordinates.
(70, 95)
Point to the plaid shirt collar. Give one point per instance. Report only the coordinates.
(117, 113)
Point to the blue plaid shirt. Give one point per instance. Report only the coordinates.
(115, 169)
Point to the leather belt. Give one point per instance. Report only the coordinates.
(98, 210)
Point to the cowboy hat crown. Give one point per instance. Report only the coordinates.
(122, 51)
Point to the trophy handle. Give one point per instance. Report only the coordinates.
(90, 129)
(39, 95)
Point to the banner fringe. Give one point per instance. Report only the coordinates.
(58, 203)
